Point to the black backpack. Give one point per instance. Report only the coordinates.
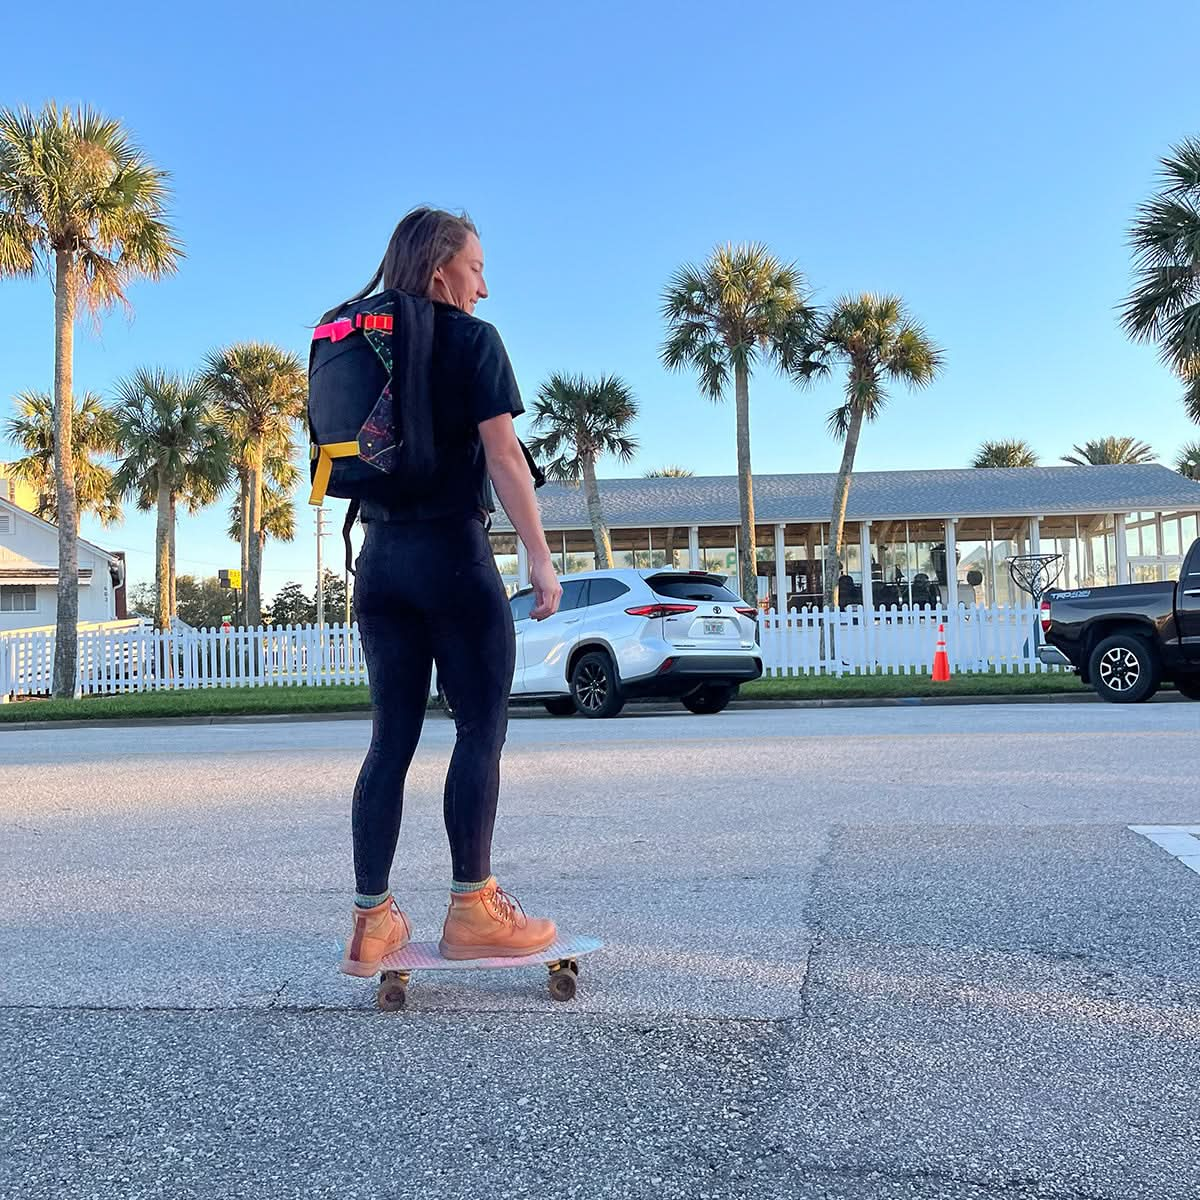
(370, 410)
(370, 404)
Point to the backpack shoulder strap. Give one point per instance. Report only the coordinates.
(539, 476)
(347, 526)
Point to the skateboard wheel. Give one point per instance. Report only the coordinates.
(393, 991)
(562, 984)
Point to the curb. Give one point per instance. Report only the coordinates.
(530, 712)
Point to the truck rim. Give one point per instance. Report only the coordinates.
(1120, 669)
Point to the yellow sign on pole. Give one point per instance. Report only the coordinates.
(230, 579)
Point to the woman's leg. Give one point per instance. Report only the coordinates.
(475, 648)
(399, 658)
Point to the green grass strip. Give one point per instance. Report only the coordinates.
(241, 701)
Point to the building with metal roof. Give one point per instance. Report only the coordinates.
(1109, 524)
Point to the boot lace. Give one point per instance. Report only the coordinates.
(508, 908)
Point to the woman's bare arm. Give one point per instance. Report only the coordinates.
(514, 487)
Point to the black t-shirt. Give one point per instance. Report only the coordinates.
(472, 381)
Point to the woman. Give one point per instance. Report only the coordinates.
(427, 589)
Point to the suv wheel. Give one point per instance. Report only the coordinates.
(1124, 669)
(594, 686)
(560, 706)
(709, 698)
(1189, 686)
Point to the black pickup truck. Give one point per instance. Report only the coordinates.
(1125, 641)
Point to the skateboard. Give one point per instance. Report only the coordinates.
(560, 957)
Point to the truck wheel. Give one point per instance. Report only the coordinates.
(1124, 669)
(1189, 686)
(595, 686)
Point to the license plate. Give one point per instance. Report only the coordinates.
(715, 628)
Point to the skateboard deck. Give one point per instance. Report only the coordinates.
(560, 957)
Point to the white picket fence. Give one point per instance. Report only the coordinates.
(142, 660)
(899, 641)
(133, 658)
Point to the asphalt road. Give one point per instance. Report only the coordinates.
(873, 954)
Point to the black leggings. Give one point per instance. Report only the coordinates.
(426, 591)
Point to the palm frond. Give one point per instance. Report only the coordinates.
(93, 440)
(741, 305)
(1164, 302)
(1187, 461)
(73, 183)
(1110, 450)
(1012, 453)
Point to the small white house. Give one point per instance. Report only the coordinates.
(29, 574)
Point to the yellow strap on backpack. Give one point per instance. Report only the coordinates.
(325, 455)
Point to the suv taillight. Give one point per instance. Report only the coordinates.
(661, 610)
(746, 612)
(1045, 616)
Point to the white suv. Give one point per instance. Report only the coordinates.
(645, 633)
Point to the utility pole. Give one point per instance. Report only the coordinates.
(321, 532)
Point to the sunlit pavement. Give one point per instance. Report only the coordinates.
(872, 953)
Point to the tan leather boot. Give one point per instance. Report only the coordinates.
(376, 931)
(490, 924)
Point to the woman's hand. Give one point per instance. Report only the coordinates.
(547, 591)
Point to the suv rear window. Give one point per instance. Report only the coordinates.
(691, 587)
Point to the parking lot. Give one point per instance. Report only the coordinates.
(851, 953)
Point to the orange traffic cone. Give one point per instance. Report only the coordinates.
(941, 660)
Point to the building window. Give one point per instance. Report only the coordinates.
(5, 523)
(718, 551)
(579, 546)
(18, 599)
(908, 563)
(504, 548)
(804, 564)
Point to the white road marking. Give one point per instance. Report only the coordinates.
(1179, 841)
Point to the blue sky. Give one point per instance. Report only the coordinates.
(984, 162)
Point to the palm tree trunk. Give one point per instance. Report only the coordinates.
(173, 601)
(245, 539)
(599, 529)
(841, 494)
(749, 556)
(162, 557)
(66, 635)
(254, 557)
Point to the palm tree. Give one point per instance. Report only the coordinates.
(1187, 463)
(171, 441)
(743, 304)
(261, 393)
(878, 342)
(1110, 450)
(278, 515)
(582, 420)
(78, 198)
(1015, 453)
(1164, 304)
(93, 435)
(670, 473)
